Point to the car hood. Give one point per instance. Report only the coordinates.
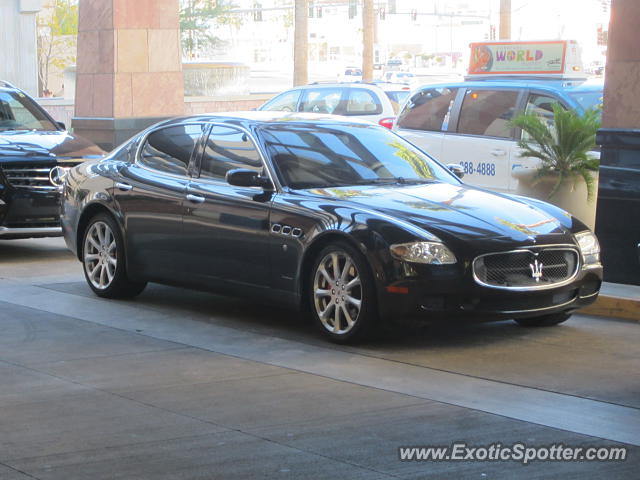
(54, 145)
(459, 210)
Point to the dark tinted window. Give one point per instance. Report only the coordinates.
(487, 112)
(318, 157)
(169, 149)
(19, 112)
(428, 110)
(362, 102)
(226, 149)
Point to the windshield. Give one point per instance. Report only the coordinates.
(310, 156)
(589, 99)
(18, 112)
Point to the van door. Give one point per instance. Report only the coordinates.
(540, 104)
(483, 140)
(425, 117)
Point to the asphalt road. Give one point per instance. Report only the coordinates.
(188, 385)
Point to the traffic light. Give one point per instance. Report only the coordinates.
(414, 14)
(492, 32)
(319, 12)
(257, 12)
(603, 36)
(311, 10)
(383, 13)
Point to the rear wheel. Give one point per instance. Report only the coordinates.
(103, 260)
(544, 320)
(343, 302)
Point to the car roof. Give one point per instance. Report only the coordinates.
(549, 84)
(262, 117)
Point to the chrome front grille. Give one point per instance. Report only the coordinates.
(32, 176)
(529, 269)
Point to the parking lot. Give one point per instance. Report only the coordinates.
(184, 384)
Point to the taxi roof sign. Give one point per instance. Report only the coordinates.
(554, 58)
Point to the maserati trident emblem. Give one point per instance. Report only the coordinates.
(536, 270)
(56, 176)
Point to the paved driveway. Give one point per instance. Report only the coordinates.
(179, 384)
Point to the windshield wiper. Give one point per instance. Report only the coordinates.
(393, 181)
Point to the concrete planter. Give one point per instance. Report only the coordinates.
(571, 196)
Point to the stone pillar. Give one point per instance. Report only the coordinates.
(617, 223)
(622, 89)
(129, 69)
(18, 45)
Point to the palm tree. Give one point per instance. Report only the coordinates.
(562, 146)
(301, 43)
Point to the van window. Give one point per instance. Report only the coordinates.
(542, 106)
(428, 109)
(487, 112)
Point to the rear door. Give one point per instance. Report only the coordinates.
(541, 104)
(482, 140)
(150, 194)
(425, 118)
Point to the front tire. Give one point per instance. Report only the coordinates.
(342, 294)
(544, 320)
(103, 260)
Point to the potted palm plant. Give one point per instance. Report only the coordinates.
(567, 173)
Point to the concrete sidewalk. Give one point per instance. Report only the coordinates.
(616, 301)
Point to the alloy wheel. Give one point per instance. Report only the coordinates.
(337, 292)
(100, 255)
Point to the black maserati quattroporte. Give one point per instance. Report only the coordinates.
(345, 220)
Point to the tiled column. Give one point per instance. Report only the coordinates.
(622, 88)
(618, 195)
(129, 71)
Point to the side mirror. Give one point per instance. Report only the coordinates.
(61, 125)
(456, 169)
(247, 178)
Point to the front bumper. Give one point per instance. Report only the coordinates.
(29, 214)
(426, 300)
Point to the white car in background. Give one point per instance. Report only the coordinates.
(400, 77)
(374, 102)
(351, 74)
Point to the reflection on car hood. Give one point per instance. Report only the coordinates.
(459, 210)
(38, 145)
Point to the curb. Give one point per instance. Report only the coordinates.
(615, 307)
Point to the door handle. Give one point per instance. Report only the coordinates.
(498, 152)
(195, 198)
(125, 187)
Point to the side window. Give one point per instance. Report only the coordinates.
(169, 149)
(542, 106)
(362, 102)
(287, 102)
(487, 112)
(428, 110)
(226, 149)
(324, 100)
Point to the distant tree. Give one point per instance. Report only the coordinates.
(57, 31)
(196, 18)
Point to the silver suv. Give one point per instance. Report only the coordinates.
(377, 103)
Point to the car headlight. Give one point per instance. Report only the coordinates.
(589, 247)
(434, 253)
